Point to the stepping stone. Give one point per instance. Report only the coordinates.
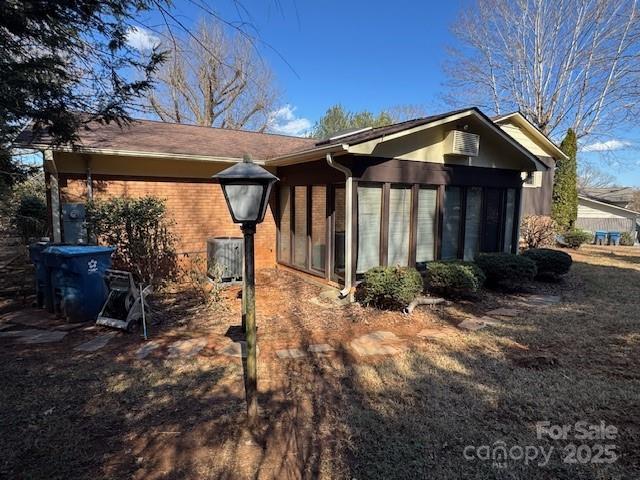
(95, 344)
(331, 295)
(146, 349)
(377, 343)
(186, 348)
(68, 326)
(19, 333)
(471, 325)
(290, 353)
(431, 333)
(237, 349)
(541, 300)
(321, 348)
(489, 320)
(505, 312)
(43, 336)
(29, 318)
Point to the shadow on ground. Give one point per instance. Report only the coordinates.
(407, 416)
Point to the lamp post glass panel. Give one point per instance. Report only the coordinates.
(246, 187)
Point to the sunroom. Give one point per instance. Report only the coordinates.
(442, 187)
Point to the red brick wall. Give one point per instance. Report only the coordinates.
(198, 209)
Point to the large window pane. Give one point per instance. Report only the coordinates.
(339, 231)
(493, 220)
(369, 206)
(285, 224)
(399, 226)
(473, 213)
(318, 226)
(451, 226)
(426, 227)
(509, 220)
(300, 227)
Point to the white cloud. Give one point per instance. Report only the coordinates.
(141, 39)
(285, 121)
(607, 146)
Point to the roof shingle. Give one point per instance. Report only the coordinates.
(170, 138)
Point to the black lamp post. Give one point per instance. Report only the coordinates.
(246, 187)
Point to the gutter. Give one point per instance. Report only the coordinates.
(348, 238)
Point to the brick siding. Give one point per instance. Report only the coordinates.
(197, 207)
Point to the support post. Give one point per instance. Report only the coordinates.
(251, 380)
(54, 195)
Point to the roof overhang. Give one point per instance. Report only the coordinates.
(136, 153)
(608, 205)
(308, 155)
(522, 121)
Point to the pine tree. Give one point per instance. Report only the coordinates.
(565, 184)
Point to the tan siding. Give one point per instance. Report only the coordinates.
(525, 140)
(592, 210)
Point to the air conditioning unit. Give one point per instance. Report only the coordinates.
(458, 142)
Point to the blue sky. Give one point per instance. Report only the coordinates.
(368, 55)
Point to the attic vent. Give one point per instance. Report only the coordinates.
(458, 142)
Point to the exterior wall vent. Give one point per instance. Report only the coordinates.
(458, 142)
(226, 252)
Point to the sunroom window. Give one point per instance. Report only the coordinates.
(399, 226)
(369, 221)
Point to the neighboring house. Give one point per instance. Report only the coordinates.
(604, 209)
(440, 187)
(537, 195)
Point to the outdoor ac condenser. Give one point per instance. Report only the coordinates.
(458, 142)
(226, 252)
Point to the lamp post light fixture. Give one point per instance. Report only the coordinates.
(247, 187)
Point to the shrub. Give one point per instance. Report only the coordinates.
(204, 283)
(390, 287)
(30, 217)
(550, 263)
(506, 271)
(140, 231)
(627, 239)
(538, 231)
(576, 237)
(454, 278)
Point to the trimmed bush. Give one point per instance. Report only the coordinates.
(576, 237)
(551, 264)
(390, 288)
(454, 278)
(627, 239)
(507, 271)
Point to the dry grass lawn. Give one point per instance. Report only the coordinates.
(108, 415)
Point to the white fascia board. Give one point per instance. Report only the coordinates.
(306, 155)
(136, 153)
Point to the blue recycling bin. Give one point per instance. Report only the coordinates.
(77, 273)
(614, 238)
(601, 237)
(43, 284)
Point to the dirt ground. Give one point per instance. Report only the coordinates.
(108, 414)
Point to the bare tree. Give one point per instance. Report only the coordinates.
(562, 63)
(215, 79)
(590, 176)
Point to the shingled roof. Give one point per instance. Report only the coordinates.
(149, 136)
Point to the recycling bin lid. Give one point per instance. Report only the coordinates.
(78, 250)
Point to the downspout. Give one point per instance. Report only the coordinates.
(348, 215)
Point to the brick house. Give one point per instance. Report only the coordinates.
(440, 187)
